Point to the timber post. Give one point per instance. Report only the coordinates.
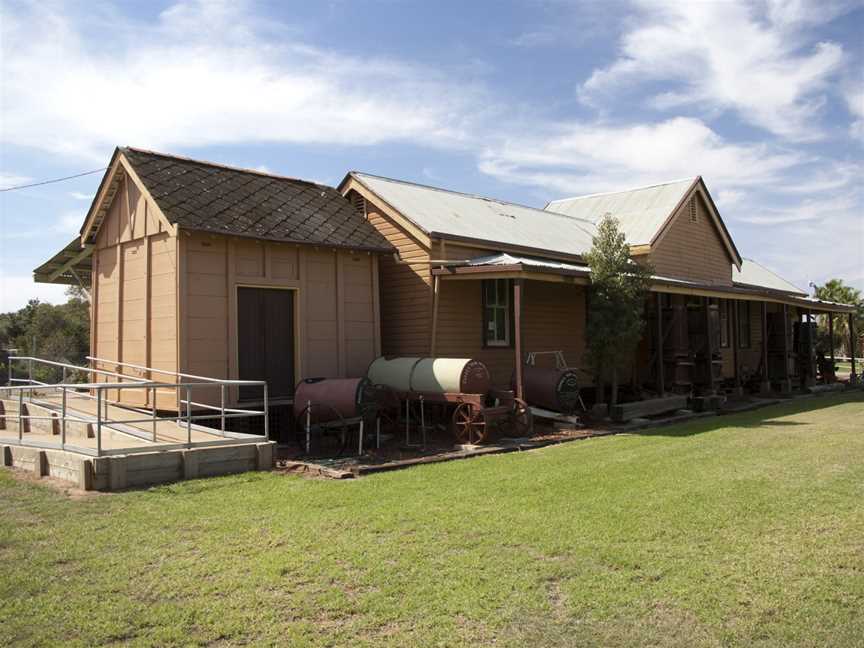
(831, 337)
(709, 346)
(739, 391)
(517, 342)
(786, 385)
(765, 385)
(436, 288)
(661, 387)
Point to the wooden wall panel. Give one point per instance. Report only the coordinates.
(358, 304)
(206, 304)
(693, 250)
(321, 318)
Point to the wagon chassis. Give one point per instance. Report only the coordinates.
(472, 420)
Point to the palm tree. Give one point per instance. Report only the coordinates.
(835, 290)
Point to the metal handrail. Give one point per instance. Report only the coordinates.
(81, 390)
(67, 365)
(181, 374)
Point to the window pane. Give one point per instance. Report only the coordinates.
(500, 326)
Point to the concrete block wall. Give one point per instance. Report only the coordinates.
(118, 472)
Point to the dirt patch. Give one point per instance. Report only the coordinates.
(63, 487)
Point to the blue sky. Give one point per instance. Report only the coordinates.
(526, 101)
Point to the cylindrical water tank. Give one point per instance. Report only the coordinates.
(551, 388)
(395, 372)
(431, 375)
(331, 398)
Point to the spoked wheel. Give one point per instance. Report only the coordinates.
(469, 426)
(335, 427)
(522, 418)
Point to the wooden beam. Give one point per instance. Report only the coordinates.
(436, 289)
(518, 285)
(734, 341)
(661, 387)
(86, 251)
(709, 349)
(831, 336)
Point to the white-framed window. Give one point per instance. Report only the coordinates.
(496, 312)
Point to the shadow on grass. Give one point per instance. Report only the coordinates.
(764, 417)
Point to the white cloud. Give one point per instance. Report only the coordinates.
(16, 291)
(205, 73)
(725, 56)
(854, 96)
(574, 158)
(77, 195)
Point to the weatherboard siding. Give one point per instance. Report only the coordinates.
(693, 251)
(553, 318)
(405, 289)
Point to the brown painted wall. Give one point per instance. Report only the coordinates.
(406, 292)
(553, 318)
(336, 327)
(152, 289)
(134, 290)
(690, 250)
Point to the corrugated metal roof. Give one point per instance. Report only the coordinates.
(755, 274)
(511, 259)
(69, 266)
(640, 212)
(438, 211)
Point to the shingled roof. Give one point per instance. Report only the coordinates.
(210, 197)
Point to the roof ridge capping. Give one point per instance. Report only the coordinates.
(225, 167)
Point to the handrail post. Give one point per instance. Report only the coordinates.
(153, 407)
(21, 416)
(99, 421)
(222, 415)
(63, 420)
(189, 415)
(266, 415)
(30, 363)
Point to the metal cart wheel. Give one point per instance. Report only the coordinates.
(522, 419)
(341, 426)
(469, 425)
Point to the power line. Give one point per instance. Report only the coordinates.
(45, 182)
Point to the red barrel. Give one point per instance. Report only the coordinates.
(551, 388)
(332, 398)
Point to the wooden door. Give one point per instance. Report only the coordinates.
(265, 341)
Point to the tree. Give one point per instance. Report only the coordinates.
(619, 287)
(60, 332)
(835, 290)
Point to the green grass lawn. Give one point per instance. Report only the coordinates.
(740, 530)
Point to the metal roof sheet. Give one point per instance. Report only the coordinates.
(439, 211)
(511, 259)
(69, 266)
(755, 274)
(640, 212)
